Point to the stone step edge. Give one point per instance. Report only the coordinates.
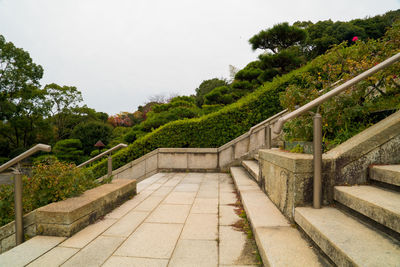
(254, 172)
(271, 235)
(368, 208)
(336, 249)
(381, 174)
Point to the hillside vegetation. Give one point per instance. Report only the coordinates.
(342, 62)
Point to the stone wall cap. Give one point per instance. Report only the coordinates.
(188, 150)
(74, 203)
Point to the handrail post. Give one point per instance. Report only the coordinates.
(268, 139)
(317, 187)
(109, 166)
(19, 226)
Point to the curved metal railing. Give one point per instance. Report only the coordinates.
(108, 152)
(19, 227)
(317, 122)
(17, 159)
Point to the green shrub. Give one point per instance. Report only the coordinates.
(49, 183)
(211, 130)
(46, 159)
(89, 133)
(69, 150)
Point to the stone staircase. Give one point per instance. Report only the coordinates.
(278, 241)
(362, 228)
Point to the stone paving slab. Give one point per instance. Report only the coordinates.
(226, 198)
(151, 240)
(96, 253)
(167, 213)
(127, 224)
(29, 250)
(205, 193)
(227, 215)
(85, 236)
(163, 191)
(201, 226)
(154, 187)
(205, 205)
(180, 198)
(54, 257)
(186, 188)
(231, 246)
(196, 253)
(149, 203)
(226, 188)
(173, 182)
(134, 262)
(128, 205)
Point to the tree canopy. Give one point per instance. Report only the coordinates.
(280, 36)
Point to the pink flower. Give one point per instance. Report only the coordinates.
(355, 38)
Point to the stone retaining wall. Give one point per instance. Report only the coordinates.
(288, 177)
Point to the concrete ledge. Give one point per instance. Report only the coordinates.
(389, 174)
(67, 217)
(7, 232)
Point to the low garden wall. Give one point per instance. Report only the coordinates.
(64, 218)
(288, 177)
(200, 159)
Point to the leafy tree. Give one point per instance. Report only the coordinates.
(63, 100)
(69, 150)
(22, 102)
(89, 133)
(280, 36)
(223, 95)
(205, 87)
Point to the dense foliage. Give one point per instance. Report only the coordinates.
(296, 88)
(51, 181)
(69, 150)
(359, 106)
(211, 130)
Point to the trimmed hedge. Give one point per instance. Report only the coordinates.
(212, 130)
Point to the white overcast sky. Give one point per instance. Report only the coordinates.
(119, 53)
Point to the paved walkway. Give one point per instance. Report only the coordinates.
(177, 219)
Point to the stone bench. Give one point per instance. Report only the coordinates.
(64, 218)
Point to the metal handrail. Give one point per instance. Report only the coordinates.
(317, 122)
(109, 163)
(318, 101)
(102, 154)
(268, 120)
(19, 225)
(33, 150)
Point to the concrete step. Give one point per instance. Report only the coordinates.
(253, 168)
(256, 156)
(347, 241)
(278, 242)
(381, 205)
(389, 174)
(30, 250)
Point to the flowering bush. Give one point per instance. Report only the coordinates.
(350, 112)
(50, 182)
